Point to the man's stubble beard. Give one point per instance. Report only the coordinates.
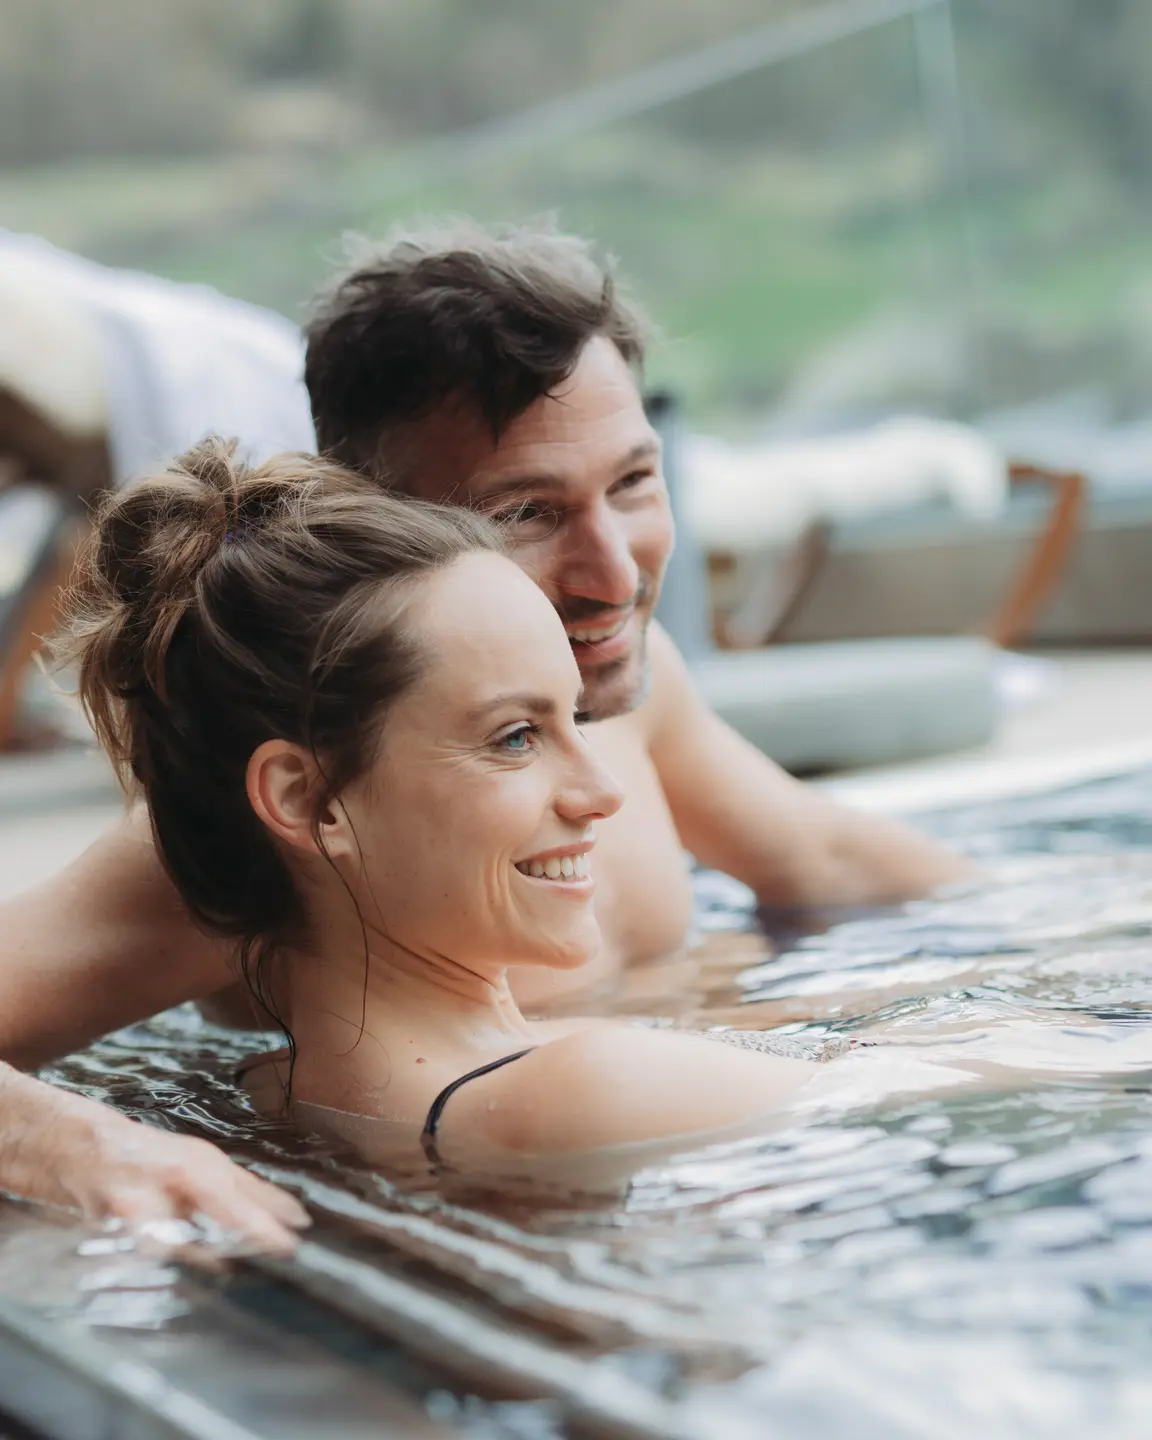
(621, 687)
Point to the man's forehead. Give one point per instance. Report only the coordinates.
(593, 425)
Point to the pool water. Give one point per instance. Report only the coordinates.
(969, 1263)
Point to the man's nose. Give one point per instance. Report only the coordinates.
(597, 563)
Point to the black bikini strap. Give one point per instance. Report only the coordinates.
(432, 1124)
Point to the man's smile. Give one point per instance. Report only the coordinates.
(603, 640)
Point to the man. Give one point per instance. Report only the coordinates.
(499, 372)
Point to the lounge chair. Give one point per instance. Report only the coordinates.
(105, 374)
(820, 707)
(39, 528)
(1070, 566)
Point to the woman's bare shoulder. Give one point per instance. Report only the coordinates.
(618, 1084)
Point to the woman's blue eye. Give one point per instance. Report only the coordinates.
(517, 740)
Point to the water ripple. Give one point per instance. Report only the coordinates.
(861, 1269)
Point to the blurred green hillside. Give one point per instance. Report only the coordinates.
(807, 236)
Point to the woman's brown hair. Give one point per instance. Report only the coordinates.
(219, 606)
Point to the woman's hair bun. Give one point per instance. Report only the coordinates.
(140, 570)
(155, 537)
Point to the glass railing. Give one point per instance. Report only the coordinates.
(864, 206)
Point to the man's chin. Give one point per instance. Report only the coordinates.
(617, 688)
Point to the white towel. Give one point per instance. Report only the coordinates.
(755, 497)
(177, 361)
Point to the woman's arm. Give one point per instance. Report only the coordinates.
(104, 943)
(615, 1085)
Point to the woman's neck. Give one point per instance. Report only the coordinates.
(356, 1019)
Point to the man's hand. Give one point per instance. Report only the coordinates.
(65, 1150)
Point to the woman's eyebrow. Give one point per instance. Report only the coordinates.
(533, 704)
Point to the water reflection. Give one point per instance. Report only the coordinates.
(876, 1264)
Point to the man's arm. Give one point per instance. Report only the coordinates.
(104, 943)
(738, 812)
(65, 1150)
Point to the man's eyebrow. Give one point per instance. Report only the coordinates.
(539, 705)
(646, 449)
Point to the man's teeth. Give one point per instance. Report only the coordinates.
(568, 867)
(593, 637)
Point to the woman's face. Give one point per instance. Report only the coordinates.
(477, 821)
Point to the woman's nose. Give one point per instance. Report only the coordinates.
(592, 792)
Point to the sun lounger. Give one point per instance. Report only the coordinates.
(913, 526)
(821, 707)
(38, 532)
(105, 374)
(929, 571)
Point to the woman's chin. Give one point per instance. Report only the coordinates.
(565, 952)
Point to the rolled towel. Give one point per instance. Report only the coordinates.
(51, 349)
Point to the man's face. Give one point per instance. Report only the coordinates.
(576, 481)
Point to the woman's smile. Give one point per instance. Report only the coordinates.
(567, 867)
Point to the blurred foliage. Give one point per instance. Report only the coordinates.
(135, 77)
(805, 234)
(130, 77)
(120, 77)
(1082, 71)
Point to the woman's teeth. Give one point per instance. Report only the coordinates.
(568, 867)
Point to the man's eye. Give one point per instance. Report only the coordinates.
(523, 514)
(632, 480)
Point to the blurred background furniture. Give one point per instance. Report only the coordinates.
(39, 529)
(105, 374)
(818, 707)
(878, 575)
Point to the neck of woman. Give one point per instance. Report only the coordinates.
(364, 1017)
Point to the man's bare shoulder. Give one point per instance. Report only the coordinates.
(101, 944)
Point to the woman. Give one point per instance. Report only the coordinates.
(355, 725)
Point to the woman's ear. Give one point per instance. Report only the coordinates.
(282, 782)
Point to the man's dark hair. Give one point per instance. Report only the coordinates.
(492, 319)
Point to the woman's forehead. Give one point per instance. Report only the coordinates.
(486, 626)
